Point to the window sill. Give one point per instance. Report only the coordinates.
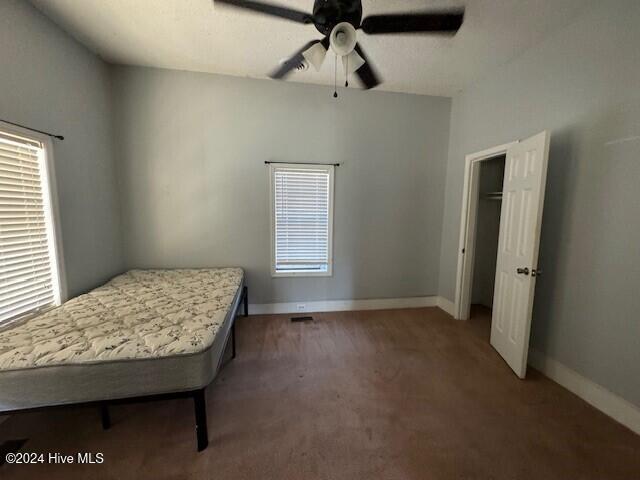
(13, 322)
(300, 274)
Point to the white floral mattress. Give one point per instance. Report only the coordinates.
(141, 314)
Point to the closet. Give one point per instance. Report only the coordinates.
(500, 225)
(490, 181)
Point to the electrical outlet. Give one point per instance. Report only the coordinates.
(301, 307)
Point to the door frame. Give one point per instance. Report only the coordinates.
(467, 241)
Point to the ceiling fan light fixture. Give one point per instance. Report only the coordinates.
(343, 39)
(315, 55)
(352, 62)
(337, 21)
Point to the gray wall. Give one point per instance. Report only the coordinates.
(192, 149)
(582, 83)
(50, 82)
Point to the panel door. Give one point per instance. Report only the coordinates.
(516, 273)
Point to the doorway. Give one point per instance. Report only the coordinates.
(487, 234)
(514, 176)
(495, 157)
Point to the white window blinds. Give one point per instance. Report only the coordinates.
(28, 273)
(302, 219)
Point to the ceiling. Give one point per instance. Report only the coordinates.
(198, 35)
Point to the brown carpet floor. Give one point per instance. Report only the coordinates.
(404, 394)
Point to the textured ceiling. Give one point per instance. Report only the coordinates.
(199, 35)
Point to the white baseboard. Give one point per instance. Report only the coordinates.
(344, 305)
(596, 395)
(446, 305)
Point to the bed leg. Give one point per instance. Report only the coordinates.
(200, 404)
(233, 340)
(106, 418)
(245, 295)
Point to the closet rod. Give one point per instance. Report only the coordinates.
(53, 135)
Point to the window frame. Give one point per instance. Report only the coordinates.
(272, 202)
(50, 197)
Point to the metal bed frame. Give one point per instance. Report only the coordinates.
(199, 399)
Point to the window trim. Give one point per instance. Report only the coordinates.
(304, 166)
(50, 196)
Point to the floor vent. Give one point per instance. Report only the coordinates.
(10, 446)
(302, 319)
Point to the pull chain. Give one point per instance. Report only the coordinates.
(346, 73)
(335, 78)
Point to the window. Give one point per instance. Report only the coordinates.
(29, 278)
(301, 219)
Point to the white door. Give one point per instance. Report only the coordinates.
(525, 176)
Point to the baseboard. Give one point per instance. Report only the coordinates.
(447, 305)
(344, 305)
(596, 395)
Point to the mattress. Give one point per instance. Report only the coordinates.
(144, 332)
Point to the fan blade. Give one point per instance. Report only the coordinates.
(445, 22)
(366, 73)
(270, 9)
(315, 55)
(296, 59)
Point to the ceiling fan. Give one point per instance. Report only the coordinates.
(338, 21)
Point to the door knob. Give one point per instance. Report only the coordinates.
(524, 271)
(536, 273)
